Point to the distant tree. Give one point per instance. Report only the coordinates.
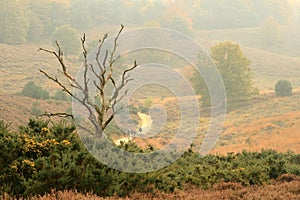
(34, 91)
(223, 14)
(36, 28)
(200, 88)
(269, 31)
(80, 14)
(154, 11)
(67, 37)
(283, 88)
(235, 70)
(279, 9)
(181, 24)
(13, 22)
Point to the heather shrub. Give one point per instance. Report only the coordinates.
(61, 96)
(34, 91)
(283, 88)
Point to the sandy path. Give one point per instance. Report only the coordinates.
(145, 124)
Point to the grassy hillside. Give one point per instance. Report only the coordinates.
(269, 67)
(265, 122)
(287, 44)
(17, 110)
(20, 64)
(262, 123)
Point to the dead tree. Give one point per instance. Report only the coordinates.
(99, 115)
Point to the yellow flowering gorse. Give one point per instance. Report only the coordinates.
(45, 129)
(28, 163)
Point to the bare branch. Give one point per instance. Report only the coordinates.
(59, 57)
(94, 72)
(112, 54)
(113, 99)
(115, 45)
(126, 71)
(108, 121)
(56, 115)
(101, 42)
(58, 82)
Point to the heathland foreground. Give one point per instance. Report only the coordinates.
(286, 187)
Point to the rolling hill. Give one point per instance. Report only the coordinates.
(263, 122)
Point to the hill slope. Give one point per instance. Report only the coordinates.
(17, 109)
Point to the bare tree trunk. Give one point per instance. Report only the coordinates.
(99, 115)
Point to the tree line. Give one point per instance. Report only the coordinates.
(34, 20)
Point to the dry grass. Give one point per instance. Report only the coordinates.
(286, 187)
(21, 63)
(263, 123)
(288, 43)
(17, 109)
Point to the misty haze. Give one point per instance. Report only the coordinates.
(150, 99)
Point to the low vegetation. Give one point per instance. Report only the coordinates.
(283, 88)
(34, 91)
(285, 185)
(38, 158)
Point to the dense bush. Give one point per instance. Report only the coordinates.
(35, 109)
(40, 157)
(61, 96)
(34, 91)
(283, 88)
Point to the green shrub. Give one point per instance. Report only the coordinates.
(148, 103)
(69, 110)
(283, 88)
(35, 109)
(133, 110)
(61, 96)
(34, 91)
(40, 157)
